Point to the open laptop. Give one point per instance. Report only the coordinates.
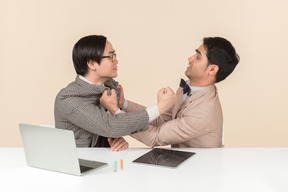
(54, 149)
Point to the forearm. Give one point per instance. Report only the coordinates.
(132, 107)
(101, 123)
(172, 132)
(147, 137)
(153, 111)
(165, 117)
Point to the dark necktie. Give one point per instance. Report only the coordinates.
(185, 86)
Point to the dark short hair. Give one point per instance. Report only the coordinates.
(88, 48)
(220, 51)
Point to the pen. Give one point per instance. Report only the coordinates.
(115, 166)
(121, 164)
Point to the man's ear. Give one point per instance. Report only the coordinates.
(213, 69)
(92, 64)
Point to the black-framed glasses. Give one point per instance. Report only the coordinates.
(113, 57)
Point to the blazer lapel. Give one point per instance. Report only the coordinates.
(193, 97)
(179, 95)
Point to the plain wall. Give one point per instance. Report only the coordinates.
(153, 40)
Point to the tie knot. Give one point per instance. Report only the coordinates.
(185, 86)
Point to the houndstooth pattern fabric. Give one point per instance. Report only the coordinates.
(77, 108)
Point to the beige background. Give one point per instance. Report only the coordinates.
(153, 39)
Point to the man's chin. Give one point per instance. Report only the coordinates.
(187, 74)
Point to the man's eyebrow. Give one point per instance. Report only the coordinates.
(112, 52)
(198, 52)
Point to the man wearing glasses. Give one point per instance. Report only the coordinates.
(196, 119)
(77, 106)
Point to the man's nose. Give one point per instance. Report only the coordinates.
(192, 58)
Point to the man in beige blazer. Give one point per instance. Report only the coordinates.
(196, 119)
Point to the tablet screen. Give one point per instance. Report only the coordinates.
(164, 157)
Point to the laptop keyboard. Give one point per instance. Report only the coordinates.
(83, 169)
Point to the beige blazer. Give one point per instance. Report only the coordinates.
(195, 123)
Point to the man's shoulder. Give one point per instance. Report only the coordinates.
(209, 91)
(68, 99)
(205, 97)
(71, 89)
(209, 99)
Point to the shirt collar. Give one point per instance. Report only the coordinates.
(195, 89)
(84, 79)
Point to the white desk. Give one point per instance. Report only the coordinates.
(225, 170)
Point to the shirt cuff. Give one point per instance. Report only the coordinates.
(125, 105)
(118, 111)
(153, 112)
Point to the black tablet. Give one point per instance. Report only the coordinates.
(164, 157)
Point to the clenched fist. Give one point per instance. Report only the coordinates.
(166, 98)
